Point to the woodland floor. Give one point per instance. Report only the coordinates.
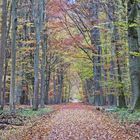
(76, 122)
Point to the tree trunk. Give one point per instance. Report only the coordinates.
(54, 89)
(88, 86)
(60, 85)
(44, 51)
(134, 47)
(95, 35)
(37, 14)
(4, 83)
(48, 73)
(43, 67)
(115, 42)
(121, 95)
(7, 57)
(36, 70)
(13, 56)
(3, 45)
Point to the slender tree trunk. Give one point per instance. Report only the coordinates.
(36, 70)
(7, 56)
(87, 94)
(13, 56)
(3, 45)
(43, 67)
(37, 14)
(4, 83)
(44, 49)
(48, 73)
(54, 89)
(60, 85)
(134, 47)
(69, 88)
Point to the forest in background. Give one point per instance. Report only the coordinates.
(45, 45)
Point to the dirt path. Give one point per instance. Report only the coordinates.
(75, 122)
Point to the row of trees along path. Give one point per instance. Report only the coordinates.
(52, 49)
(43, 41)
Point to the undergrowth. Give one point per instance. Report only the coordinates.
(31, 113)
(124, 115)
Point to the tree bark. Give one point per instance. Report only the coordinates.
(3, 45)
(37, 15)
(134, 47)
(4, 83)
(43, 67)
(54, 89)
(7, 57)
(36, 70)
(121, 95)
(48, 73)
(44, 51)
(60, 84)
(13, 56)
(95, 36)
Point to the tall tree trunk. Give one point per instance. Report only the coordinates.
(36, 70)
(43, 67)
(54, 89)
(48, 76)
(95, 34)
(121, 96)
(113, 9)
(60, 85)
(4, 81)
(37, 14)
(13, 56)
(134, 47)
(43, 63)
(7, 55)
(3, 45)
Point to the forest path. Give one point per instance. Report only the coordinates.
(76, 121)
(84, 122)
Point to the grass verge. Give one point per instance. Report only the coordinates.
(125, 116)
(31, 113)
